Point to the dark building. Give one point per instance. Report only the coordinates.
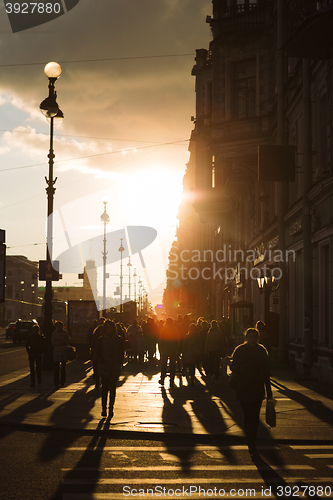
(259, 182)
(21, 289)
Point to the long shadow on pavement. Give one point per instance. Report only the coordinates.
(314, 406)
(90, 459)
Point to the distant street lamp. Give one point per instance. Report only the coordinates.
(50, 109)
(140, 292)
(105, 220)
(32, 299)
(134, 276)
(121, 250)
(129, 277)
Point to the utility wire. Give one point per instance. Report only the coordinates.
(95, 155)
(100, 60)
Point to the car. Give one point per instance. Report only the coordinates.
(22, 329)
(10, 329)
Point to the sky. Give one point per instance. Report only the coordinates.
(127, 95)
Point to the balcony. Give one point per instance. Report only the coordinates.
(239, 17)
(309, 29)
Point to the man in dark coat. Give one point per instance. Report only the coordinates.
(169, 347)
(250, 364)
(35, 346)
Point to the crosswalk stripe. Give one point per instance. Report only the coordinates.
(120, 496)
(190, 481)
(319, 455)
(192, 468)
(312, 446)
(166, 448)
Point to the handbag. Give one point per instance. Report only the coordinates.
(71, 353)
(270, 413)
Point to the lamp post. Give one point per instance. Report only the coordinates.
(22, 299)
(140, 291)
(50, 109)
(134, 277)
(32, 299)
(129, 277)
(105, 220)
(121, 249)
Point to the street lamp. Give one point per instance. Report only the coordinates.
(50, 109)
(134, 277)
(140, 291)
(267, 285)
(105, 220)
(129, 277)
(121, 249)
(32, 299)
(266, 281)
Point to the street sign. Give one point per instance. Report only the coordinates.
(49, 271)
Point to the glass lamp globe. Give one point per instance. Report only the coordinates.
(52, 70)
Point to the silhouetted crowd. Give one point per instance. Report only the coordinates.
(182, 346)
(177, 346)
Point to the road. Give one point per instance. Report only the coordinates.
(53, 464)
(12, 356)
(64, 465)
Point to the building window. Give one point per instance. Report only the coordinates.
(324, 294)
(296, 318)
(320, 135)
(9, 291)
(244, 89)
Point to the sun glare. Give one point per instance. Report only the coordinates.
(152, 196)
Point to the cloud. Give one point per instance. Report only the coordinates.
(34, 144)
(130, 102)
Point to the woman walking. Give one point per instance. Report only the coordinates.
(251, 370)
(110, 354)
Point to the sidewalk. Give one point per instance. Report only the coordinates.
(304, 409)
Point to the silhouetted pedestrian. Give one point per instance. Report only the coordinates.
(132, 333)
(110, 354)
(251, 369)
(35, 347)
(169, 348)
(93, 356)
(215, 349)
(191, 352)
(60, 342)
(264, 337)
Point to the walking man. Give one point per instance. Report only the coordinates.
(35, 346)
(60, 341)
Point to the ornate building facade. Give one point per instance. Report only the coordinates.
(257, 220)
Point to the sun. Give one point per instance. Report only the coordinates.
(151, 197)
